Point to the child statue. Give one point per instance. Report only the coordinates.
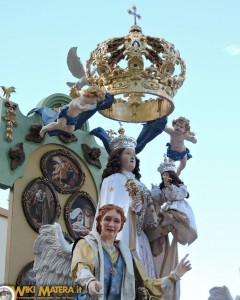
(175, 210)
(176, 148)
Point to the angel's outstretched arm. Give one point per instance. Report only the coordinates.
(190, 138)
(83, 263)
(168, 130)
(162, 286)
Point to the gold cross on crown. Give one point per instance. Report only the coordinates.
(134, 13)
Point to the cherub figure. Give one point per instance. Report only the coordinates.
(68, 116)
(176, 148)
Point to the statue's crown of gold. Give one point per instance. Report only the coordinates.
(137, 66)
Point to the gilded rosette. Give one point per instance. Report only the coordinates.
(131, 188)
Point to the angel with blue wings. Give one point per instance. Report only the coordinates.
(104, 267)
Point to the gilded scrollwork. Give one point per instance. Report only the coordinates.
(10, 119)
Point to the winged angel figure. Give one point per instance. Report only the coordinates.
(53, 261)
(75, 66)
(52, 264)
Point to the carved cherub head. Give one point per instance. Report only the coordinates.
(95, 153)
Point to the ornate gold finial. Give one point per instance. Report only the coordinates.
(147, 84)
(111, 133)
(134, 13)
(121, 130)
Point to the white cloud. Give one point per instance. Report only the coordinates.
(233, 49)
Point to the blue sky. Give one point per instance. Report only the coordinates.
(35, 39)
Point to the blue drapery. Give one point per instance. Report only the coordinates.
(49, 115)
(149, 131)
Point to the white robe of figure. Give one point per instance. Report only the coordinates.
(113, 191)
(184, 221)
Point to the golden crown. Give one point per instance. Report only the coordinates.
(152, 74)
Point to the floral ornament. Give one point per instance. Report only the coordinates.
(10, 119)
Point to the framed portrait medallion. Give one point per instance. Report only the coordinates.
(40, 203)
(79, 214)
(63, 170)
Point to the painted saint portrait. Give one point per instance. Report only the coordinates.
(79, 214)
(63, 170)
(40, 203)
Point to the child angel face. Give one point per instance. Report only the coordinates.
(180, 127)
